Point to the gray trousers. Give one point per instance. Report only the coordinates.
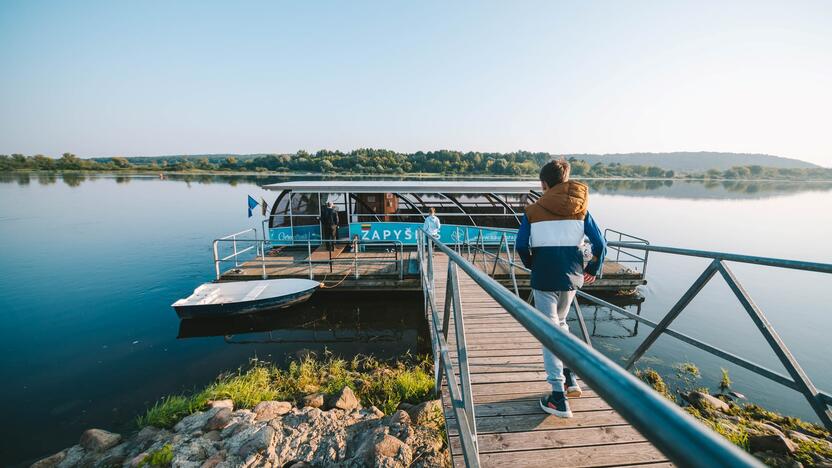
(555, 305)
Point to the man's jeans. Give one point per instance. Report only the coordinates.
(555, 305)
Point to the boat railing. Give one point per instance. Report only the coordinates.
(256, 251)
(622, 254)
(797, 379)
(677, 434)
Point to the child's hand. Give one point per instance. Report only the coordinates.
(588, 279)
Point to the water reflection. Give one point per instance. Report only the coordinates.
(365, 326)
(661, 188)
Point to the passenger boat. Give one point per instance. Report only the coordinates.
(394, 210)
(241, 297)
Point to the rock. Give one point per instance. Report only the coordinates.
(73, 457)
(400, 417)
(299, 464)
(115, 456)
(50, 461)
(704, 401)
(315, 400)
(376, 412)
(221, 404)
(213, 436)
(427, 414)
(385, 450)
(214, 460)
(251, 441)
(99, 440)
(345, 400)
(196, 421)
(267, 410)
(219, 420)
(405, 406)
(192, 452)
(770, 443)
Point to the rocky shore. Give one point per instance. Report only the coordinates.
(320, 431)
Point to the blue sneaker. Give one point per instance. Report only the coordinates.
(556, 403)
(573, 390)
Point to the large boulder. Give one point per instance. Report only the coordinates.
(345, 400)
(218, 421)
(776, 443)
(99, 440)
(704, 401)
(221, 404)
(384, 450)
(50, 461)
(427, 414)
(268, 410)
(315, 400)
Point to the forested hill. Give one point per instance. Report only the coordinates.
(686, 162)
(695, 161)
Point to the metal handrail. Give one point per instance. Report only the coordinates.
(677, 434)
(798, 380)
(461, 395)
(261, 247)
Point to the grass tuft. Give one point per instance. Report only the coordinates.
(382, 384)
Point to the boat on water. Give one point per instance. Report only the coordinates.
(242, 297)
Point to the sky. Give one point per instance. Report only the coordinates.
(129, 78)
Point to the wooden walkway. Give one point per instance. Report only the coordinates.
(507, 379)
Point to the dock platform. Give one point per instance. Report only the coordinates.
(395, 270)
(507, 379)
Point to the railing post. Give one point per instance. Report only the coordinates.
(449, 292)
(234, 241)
(216, 259)
(805, 385)
(309, 256)
(499, 252)
(581, 323)
(263, 258)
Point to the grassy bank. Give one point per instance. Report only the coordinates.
(375, 383)
(774, 439)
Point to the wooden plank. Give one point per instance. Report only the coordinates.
(563, 438)
(542, 421)
(578, 457)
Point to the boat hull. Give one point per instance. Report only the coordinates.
(243, 307)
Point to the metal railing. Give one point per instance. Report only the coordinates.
(797, 379)
(622, 247)
(677, 434)
(461, 396)
(255, 251)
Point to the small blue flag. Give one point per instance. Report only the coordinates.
(252, 203)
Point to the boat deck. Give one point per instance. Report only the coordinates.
(507, 379)
(393, 271)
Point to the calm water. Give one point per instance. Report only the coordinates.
(91, 266)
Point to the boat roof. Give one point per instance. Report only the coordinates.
(407, 186)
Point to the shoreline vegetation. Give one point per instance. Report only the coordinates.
(369, 162)
(774, 439)
(316, 412)
(364, 412)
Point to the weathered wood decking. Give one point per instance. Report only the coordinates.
(507, 379)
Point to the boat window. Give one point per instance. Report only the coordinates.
(305, 209)
(280, 211)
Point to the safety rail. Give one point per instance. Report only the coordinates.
(619, 249)
(261, 248)
(797, 379)
(677, 434)
(461, 396)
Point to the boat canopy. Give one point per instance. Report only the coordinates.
(418, 186)
(376, 210)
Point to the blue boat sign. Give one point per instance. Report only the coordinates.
(404, 233)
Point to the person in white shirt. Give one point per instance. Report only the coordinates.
(432, 224)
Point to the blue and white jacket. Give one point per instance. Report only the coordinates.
(551, 234)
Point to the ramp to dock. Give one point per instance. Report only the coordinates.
(507, 379)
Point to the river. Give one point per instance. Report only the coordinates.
(92, 264)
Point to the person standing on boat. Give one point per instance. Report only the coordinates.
(432, 224)
(329, 225)
(549, 242)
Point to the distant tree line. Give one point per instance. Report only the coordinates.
(380, 161)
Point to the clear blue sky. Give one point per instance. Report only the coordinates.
(171, 77)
